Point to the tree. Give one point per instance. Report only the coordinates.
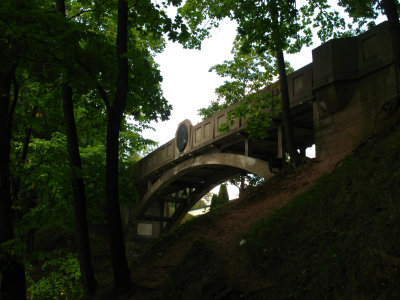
(223, 196)
(137, 92)
(12, 271)
(78, 46)
(78, 184)
(122, 278)
(221, 199)
(13, 51)
(199, 204)
(214, 202)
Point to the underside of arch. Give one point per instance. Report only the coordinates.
(195, 164)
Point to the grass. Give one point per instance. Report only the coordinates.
(341, 239)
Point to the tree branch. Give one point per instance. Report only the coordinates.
(101, 90)
(81, 13)
(103, 95)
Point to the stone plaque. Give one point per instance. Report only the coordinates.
(145, 229)
(182, 137)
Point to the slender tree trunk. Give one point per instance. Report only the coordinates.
(241, 187)
(78, 186)
(287, 120)
(13, 285)
(122, 278)
(79, 196)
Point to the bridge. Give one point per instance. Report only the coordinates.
(336, 102)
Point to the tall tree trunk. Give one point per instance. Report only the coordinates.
(392, 14)
(287, 119)
(78, 186)
(79, 196)
(122, 278)
(13, 285)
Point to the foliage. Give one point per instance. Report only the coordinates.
(207, 198)
(81, 47)
(362, 11)
(266, 26)
(223, 196)
(221, 199)
(199, 204)
(260, 110)
(62, 280)
(214, 202)
(248, 180)
(247, 74)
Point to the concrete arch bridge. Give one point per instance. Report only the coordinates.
(335, 104)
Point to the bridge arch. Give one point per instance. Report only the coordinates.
(240, 162)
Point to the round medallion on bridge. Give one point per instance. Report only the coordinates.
(182, 137)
